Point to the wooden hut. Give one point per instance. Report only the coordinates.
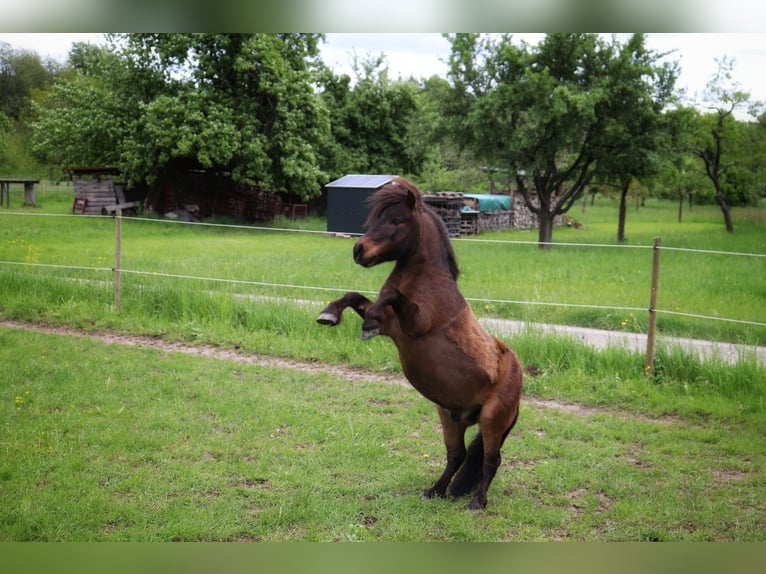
(98, 191)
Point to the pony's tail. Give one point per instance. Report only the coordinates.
(470, 473)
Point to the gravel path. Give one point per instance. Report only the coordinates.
(633, 341)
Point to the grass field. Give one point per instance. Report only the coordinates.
(603, 287)
(106, 442)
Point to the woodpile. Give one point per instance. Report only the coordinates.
(523, 218)
(448, 205)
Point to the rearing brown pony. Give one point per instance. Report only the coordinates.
(445, 353)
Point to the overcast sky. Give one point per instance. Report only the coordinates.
(424, 54)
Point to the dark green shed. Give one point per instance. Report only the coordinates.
(347, 201)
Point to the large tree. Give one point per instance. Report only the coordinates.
(244, 104)
(549, 113)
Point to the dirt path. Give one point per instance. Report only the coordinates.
(350, 374)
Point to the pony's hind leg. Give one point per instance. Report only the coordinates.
(470, 473)
(454, 440)
(493, 433)
(333, 313)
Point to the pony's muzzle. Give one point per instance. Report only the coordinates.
(366, 253)
(358, 251)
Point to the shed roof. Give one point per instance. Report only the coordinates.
(94, 169)
(361, 181)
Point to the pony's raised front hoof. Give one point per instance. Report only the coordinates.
(370, 333)
(327, 318)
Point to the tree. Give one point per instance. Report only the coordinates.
(633, 131)
(550, 113)
(248, 106)
(243, 104)
(370, 120)
(87, 115)
(21, 74)
(5, 128)
(444, 165)
(718, 134)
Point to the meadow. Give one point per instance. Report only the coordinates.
(106, 442)
(504, 274)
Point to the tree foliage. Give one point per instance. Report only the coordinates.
(22, 74)
(243, 104)
(554, 119)
(370, 120)
(550, 113)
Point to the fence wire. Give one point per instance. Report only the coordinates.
(277, 285)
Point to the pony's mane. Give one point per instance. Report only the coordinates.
(395, 192)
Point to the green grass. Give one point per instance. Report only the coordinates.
(102, 442)
(598, 287)
(108, 443)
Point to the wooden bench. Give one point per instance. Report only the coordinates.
(29, 190)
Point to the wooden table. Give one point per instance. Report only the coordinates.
(29, 190)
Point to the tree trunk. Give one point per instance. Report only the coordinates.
(29, 195)
(545, 236)
(680, 206)
(623, 211)
(722, 203)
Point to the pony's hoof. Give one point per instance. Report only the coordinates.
(370, 333)
(432, 493)
(477, 504)
(327, 318)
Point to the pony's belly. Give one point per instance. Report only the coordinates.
(449, 378)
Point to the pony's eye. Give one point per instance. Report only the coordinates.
(396, 221)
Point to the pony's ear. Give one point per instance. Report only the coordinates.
(412, 199)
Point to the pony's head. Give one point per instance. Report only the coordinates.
(399, 225)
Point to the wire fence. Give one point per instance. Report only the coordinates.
(118, 270)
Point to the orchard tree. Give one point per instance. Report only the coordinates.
(550, 113)
(634, 130)
(445, 166)
(718, 135)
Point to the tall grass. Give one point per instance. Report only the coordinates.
(602, 287)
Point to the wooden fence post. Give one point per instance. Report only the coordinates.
(118, 258)
(651, 334)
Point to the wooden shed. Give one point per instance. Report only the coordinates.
(347, 201)
(98, 191)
